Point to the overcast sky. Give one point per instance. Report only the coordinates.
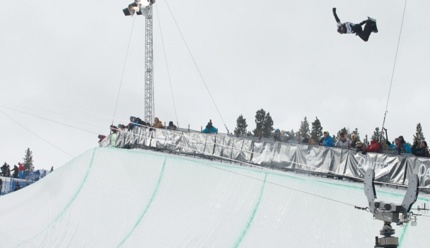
(61, 67)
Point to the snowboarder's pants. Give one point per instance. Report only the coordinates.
(363, 34)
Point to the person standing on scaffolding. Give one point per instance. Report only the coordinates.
(352, 28)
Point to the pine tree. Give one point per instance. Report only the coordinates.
(419, 136)
(344, 130)
(267, 126)
(377, 133)
(28, 160)
(292, 135)
(241, 126)
(304, 132)
(264, 124)
(357, 134)
(316, 132)
(259, 122)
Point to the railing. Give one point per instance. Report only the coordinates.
(329, 161)
(9, 183)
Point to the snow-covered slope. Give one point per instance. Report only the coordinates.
(111, 197)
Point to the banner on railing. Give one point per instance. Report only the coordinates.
(332, 161)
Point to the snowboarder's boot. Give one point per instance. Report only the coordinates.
(375, 29)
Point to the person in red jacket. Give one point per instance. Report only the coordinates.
(374, 146)
(20, 170)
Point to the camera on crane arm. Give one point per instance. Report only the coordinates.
(390, 212)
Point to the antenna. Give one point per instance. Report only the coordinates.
(145, 9)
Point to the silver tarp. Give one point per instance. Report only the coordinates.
(330, 161)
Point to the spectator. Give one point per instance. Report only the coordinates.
(157, 123)
(327, 141)
(17, 187)
(1, 185)
(406, 146)
(113, 129)
(101, 137)
(358, 145)
(343, 141)
(132, 123)
(20, 170)
(122, 127)
(3, 169)
(171, 126)
(15, 171)
(420, 149)
(7, 171)
(311, 141)
(374, 146)
(354, 141)
(399, 146)
(210, 128)
(395, 146)
(113, 135)
(139, 122)
(277, 135)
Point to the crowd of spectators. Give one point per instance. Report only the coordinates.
(157, 124)
(343, 140)
(18, 171)
(135, 122)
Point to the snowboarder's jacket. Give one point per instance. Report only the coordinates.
(349, 27)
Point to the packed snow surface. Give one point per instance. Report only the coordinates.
(110, 197)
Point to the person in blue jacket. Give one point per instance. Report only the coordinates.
(210, 128)
(328, 140)
(399, 146)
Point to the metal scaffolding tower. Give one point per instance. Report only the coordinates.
(146, 11)
(149, 67)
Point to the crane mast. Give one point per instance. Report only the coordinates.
(149, 67)
(146, 10)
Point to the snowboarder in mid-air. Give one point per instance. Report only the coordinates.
(352, 28)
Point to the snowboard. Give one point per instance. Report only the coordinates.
(372, 22)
